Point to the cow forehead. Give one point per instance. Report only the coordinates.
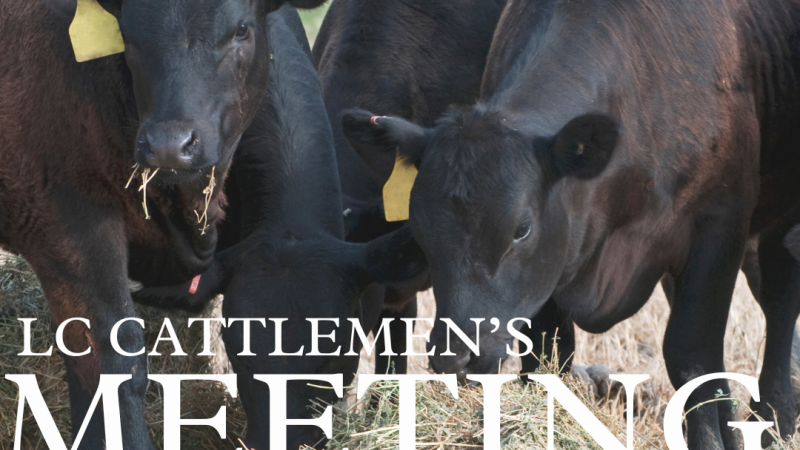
(501, 173)
(160, 18)
(474, 155)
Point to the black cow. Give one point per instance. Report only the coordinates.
(190, 82)
(292, 261)
(616, 141)
(411, 59)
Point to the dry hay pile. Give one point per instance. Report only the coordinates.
(444, 422)
(21, 296)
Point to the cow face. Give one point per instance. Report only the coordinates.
(200, 70)
(487, 213)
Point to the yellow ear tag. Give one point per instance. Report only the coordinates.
(94, 32)
(397, 191)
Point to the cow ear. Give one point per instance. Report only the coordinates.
(392, 258)
(582, 148)
(377, 138)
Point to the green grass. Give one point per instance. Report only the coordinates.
(312, 20)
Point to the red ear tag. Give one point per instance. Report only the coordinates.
(195, 283)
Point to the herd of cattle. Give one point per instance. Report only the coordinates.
(571, 154)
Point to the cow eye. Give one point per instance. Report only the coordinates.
(242, 31)
(523, 231)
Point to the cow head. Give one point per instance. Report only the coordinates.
(200, 71)
(488, 215)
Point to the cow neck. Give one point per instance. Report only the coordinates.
(285, 168)
(564, 68)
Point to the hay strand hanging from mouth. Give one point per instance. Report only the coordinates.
(208, 191)
(133, 175)
(146, 177)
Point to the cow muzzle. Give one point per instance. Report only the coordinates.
(178, 145)
(460, 359)
(451, 365)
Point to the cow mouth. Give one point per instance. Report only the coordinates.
(175, 177)
(193, 175)
(490, 361)
(168, 177)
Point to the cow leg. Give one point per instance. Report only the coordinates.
(693, 342)
(548, 324)
(780, 300)
(85, 275)
(254, 395)
(750, 267)
(256, 401)
(398, 338)
(79, 400)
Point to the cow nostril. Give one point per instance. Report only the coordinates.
(191, 142)
(169, 145)
(145, 149)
